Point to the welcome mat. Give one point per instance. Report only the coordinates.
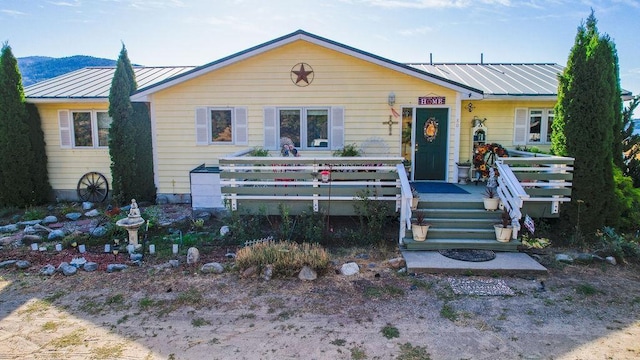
(485, 287)
(468, 254)
(437, 188)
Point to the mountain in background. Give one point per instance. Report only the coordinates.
(39, 68)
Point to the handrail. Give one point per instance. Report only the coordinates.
(405, 202)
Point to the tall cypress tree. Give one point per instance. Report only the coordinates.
(130, 144)
(121, 133)
(584, 125)
(631, 143)
(16, 186)
(39, 172)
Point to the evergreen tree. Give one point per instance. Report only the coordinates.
(121, 132)
(39, 172)
(16, 187)
(587, 114)
(130, 144)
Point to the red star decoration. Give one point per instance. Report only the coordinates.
(302, 74)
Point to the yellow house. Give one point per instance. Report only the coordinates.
(320, 94)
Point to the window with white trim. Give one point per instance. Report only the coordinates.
(90, 129)
(308, 128)
(539, 126)
(221, 125)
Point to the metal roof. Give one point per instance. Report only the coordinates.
(500, 79)
(94, 83)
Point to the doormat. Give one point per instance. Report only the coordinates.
(484, 287)
(438, 188)
(468, 255)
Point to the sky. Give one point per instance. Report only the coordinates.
(196, 32)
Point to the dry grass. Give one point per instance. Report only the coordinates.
(287, 258)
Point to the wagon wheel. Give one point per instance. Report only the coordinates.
(93, 187)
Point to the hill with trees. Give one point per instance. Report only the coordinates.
(39, 68)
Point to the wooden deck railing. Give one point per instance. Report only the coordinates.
(534, 184)
(264, 183)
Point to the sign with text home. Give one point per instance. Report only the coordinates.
(431, 100)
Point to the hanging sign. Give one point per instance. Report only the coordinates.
(431, 100)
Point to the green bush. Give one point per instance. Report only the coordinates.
(616, 245)
(287, 258)
(348, 150)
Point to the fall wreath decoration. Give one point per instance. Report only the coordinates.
(485, 156)
(430, 129)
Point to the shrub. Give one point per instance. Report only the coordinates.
(613, 244)
(348, 150)
(287, 258)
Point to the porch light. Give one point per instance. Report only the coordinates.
(391, 99)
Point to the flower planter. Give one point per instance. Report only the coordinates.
(419, 232)
(491, 203)
(463, 174)
(414, 203)
(503, 234)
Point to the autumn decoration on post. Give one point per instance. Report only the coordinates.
(484, 157)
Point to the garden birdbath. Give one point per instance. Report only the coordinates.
(132, 223)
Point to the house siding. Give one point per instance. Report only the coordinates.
(66, 166)
(500, 117)
(360, 87)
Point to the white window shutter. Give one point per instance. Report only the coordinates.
(65, 129)
(520, 127)
(241, 127)
(270, 129)
(202, 126)
(337, 128)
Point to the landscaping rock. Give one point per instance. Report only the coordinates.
(92, 213)
(9, 228)
(564, 258)
(267, 274)
(397, 263)
(47, 270)
(307, 274)
(174, 263)
(30, 230)
(90, 266)
(611, 260)
(78, 262)
(212, 268)
(583, 259)
(50, 220)
(55, 235)
(193, 256)
(116, 267)
(224, 230)
(87, 205)
(23, 264)
(350, 268)
(61, 266)
(6, 263)
(135, 257)
(249, 272)
(29, 223)
(73, 216)
(99, 231)
(69, 270)
(30, 239)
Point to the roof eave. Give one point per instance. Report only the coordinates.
(57, 100)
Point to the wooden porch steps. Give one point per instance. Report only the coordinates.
(458, 225)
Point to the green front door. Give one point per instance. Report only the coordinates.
(430, 158)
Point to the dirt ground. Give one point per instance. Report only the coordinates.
(584, 312)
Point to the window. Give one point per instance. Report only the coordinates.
(539, 126)
(224, 126)
(90, 128)
(308, 128)
(221, 126)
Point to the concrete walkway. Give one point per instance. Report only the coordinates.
(508, 263)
